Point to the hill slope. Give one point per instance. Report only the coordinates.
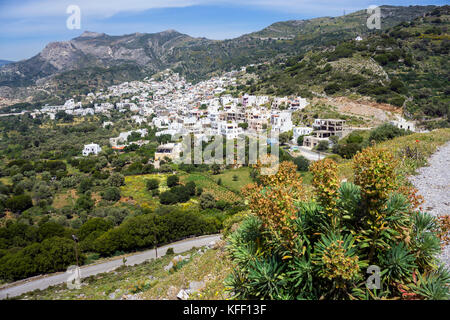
(406, 66)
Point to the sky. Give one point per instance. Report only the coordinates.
(26, 26)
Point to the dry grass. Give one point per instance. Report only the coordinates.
(425, 143)
(149, 280)
(212, 267)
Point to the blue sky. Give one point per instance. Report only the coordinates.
(27, 26)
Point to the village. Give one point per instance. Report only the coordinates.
(175, 107)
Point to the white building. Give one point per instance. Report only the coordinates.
(230, 130)
(301, 131)
(402, 123)
(92, 148)
(107, 123)
(281, 122)
(169, 150)
(123, 137)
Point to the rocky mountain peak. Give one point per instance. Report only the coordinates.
(90, 34)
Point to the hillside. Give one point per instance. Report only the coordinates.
(405, 66)
(212, 267)
(97, 60)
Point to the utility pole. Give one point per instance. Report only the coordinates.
(156, 246)
(74, 237)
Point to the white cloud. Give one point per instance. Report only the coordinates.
(101, 8)
(108, 8)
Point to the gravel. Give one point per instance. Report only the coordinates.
(433, 183)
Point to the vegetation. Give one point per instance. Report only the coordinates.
(44, 179)
(404, 65)
(294, 248)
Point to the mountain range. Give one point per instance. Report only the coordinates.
(95, 60)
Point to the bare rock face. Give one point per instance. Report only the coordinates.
(61, 55)
(92, 49)
(89, 34)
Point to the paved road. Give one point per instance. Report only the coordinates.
(308, 153)
(31, 284)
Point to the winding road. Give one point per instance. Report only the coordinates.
(43, 282)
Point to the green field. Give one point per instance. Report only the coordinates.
(135, 188)
(209, 185)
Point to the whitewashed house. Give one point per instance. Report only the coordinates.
(402, 123)
(301, 131)
(281, 122)
(230, 130)
(92, 148)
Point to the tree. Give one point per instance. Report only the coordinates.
(302, 163)
(243, 125)
(168, 197)
(111, 194)
(84, 202)
(172, 181)
(190, 186)
(323, 145)
(334, 139)
(332, 88)
(116, 180)
(92, 225)
(42, 192)
(65, 117)
(164, 138)
(182, 193)
(85, 185)
(207, 201)
(284, 137)
(49, 230)
(354, 137)
(152, 184)
(347, 150)
(300, 140)
(19, 203)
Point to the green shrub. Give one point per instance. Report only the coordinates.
(323, 145)
(19, 203)
(111, 194)
(295, 247)
(172, 181)
(302, 163)
(385, 132)
(152, 184)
